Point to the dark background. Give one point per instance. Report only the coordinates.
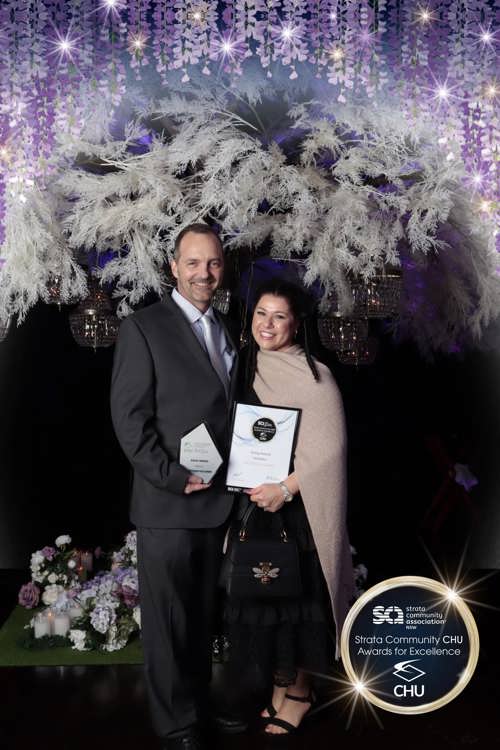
(62, 471)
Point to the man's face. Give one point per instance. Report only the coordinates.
(199, 268)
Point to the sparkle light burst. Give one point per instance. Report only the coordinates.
(425, 15)
(491, 91)
(486, 36)
(351, 694)
(337, 54)
(112, 6)
(459, 586)
(289, 33)
(136, 42)
(228, 47)
(64, 46)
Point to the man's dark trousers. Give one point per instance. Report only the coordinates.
(178, 571)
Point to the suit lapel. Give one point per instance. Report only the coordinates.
(190, 338)
(197, 350)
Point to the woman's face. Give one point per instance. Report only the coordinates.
(273, 323)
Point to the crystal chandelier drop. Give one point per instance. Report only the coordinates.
(93, 323)
(363, 353)
(379, 296)
(4, 328)
(222, 300)
(54, 288)
(341, 334)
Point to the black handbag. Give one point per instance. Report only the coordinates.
(256, 568)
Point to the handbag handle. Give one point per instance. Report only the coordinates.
(243, 534)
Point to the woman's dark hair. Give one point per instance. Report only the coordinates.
(301, 306)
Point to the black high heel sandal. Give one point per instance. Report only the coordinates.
(290, 728)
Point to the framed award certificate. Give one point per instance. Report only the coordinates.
(262, 445)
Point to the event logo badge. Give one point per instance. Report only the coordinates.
(410, 645)
(264, 429)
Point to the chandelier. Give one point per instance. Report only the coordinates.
(379, 296)
(93, 323)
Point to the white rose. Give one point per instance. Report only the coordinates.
(52, 578)
(71, 564)
(136, 614)
(51, 594)
(78, 638)
(37, 559)
(62, 540)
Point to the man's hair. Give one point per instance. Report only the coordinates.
(197, 228)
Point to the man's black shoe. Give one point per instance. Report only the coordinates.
(226, 724)
(188, 740)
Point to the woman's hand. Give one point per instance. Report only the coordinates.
(267, 496)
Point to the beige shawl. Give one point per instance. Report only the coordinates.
(283, 378)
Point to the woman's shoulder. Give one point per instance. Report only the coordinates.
(324, 372)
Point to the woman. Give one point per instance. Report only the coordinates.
(287, 638)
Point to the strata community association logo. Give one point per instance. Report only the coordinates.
(410, 645)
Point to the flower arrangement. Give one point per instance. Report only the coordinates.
(102, 612)
(53, 570)
(110, 604)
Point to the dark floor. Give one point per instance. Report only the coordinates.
(105, 708)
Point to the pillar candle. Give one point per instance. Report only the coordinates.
(61, 624)
(42, 625)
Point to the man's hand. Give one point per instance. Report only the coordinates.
(194, 484)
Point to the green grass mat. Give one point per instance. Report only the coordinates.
(13, 655)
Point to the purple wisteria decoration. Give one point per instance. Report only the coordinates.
(67, 67)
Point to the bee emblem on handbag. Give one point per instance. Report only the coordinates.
(265, 572)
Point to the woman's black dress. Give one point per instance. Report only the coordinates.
(284, 635)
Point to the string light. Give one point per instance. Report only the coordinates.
(288, 32)
(4, 152)
(486, 36)
(112, 6)
(64, 46)
(137, 42)
(337, 54)
(198, 14)
(442, 92)
(485, 206)
(425, 15)
(491, 91)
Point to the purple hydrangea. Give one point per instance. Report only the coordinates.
(130, 596)
(48, 552)
(29, 595)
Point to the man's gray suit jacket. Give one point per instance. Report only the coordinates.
(163, 385)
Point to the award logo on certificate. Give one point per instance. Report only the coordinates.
(262, 445)
(198, 453)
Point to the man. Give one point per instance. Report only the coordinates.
(175, 366)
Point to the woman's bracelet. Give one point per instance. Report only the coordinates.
(287, 495)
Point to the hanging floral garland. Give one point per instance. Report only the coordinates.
(346, 191)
